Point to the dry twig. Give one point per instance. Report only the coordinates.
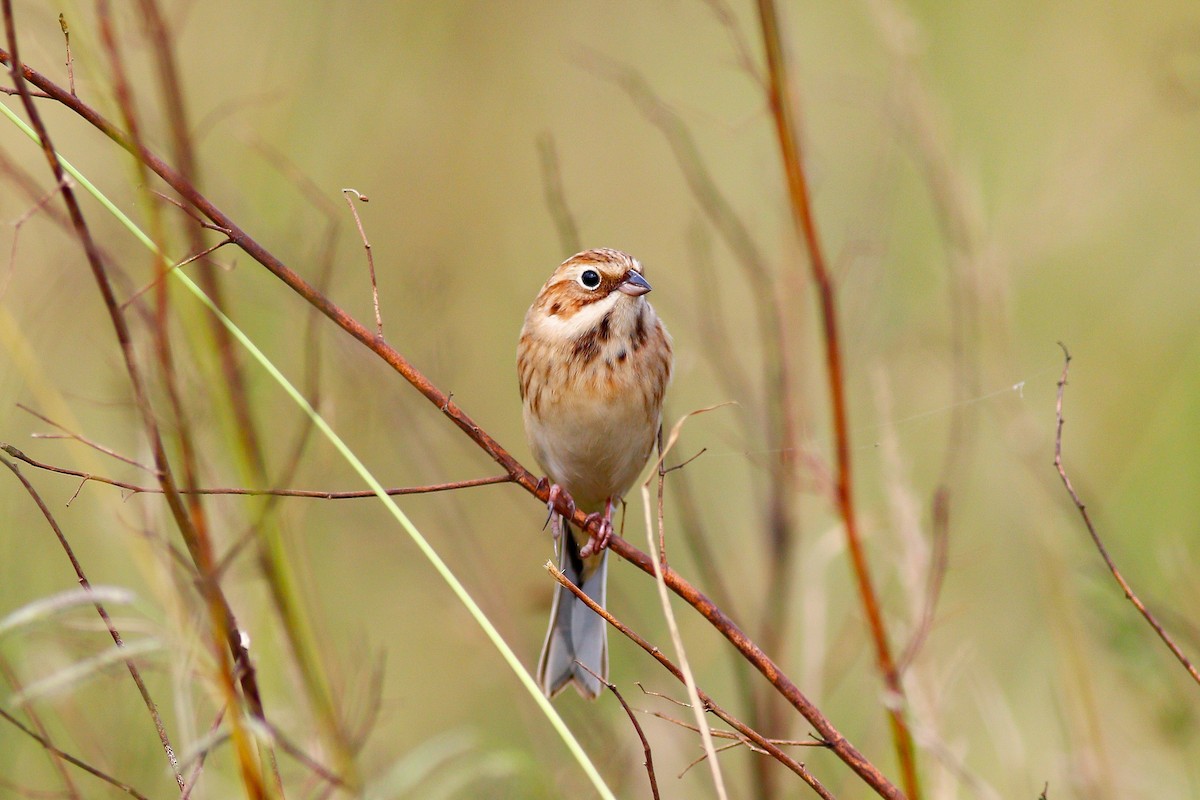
(65, 756)
(317, 494)
(636, 726)
(362, 233)
(161, 729)
(1087, 521)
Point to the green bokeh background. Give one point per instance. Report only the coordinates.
(1045, 154)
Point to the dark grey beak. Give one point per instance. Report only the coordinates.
(634, 284)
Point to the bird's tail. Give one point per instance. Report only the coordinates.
(576, 632)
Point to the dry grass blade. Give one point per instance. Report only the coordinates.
(70, 677)
(49, 607)
(689, 679)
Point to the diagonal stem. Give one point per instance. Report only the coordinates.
(1091, 529)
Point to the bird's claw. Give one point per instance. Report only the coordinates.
(556, 493)
(599, 540)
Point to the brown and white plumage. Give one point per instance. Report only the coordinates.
(594, 362)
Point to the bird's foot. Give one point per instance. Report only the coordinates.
(599, 540)
(556, 493)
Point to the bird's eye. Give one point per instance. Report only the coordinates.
(589, 279)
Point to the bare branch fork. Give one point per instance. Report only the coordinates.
(317, 494)
(1087, 521)
(515, 470)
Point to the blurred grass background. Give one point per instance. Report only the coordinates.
(1028, 172)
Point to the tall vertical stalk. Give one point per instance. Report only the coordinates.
(786, 130)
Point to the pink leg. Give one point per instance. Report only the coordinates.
(604, 531)
(557, 493)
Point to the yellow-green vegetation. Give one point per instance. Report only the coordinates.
(987, 180)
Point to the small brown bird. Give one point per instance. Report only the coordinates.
(594, 362)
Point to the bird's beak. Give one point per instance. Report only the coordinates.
(634, 284)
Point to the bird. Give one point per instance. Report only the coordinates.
(594, 362)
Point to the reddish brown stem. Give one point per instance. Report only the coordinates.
(237, 490)
(637, 727)
(787, 133)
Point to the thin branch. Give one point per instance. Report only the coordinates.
(66, 30)
(745, 55)
(162, 275)
(38, 206)
(244, 492)
(708, 703)
(60, 765)
(705, 756)
(556, 195)
(938, 562)
(163, 738)
(70, 434)
(718, 733)
(296, 752)
(636, 726)
(1087, 521)
(65, 756)
(202, 756)
(685, 462)
(11, 92)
